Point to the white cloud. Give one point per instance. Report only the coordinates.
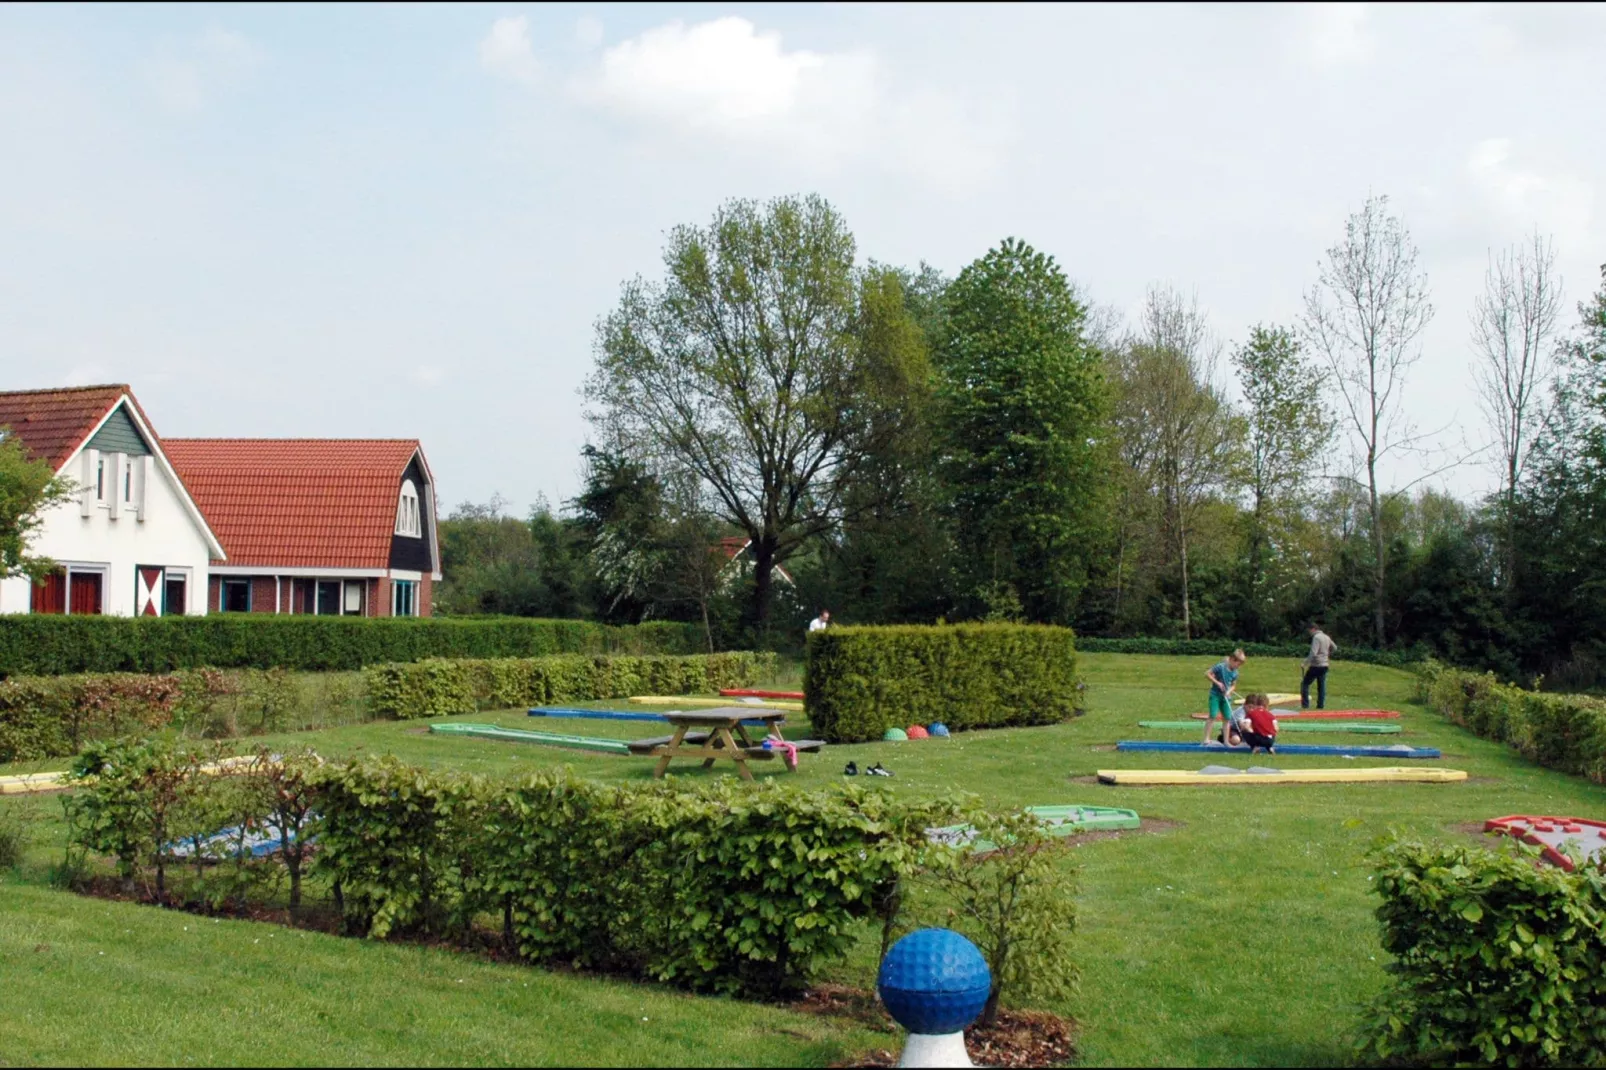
(189, 71)
(1553, 199)
(588, 32)
(728, 80)
(506, 50)
(1337, 34)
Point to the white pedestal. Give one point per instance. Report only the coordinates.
(921, 1049)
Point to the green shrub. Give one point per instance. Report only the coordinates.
(862, 681)
(48, 645)
(392, 839)
(1565, 732)
(1016, 904)
(440, 687)
(1498, 961)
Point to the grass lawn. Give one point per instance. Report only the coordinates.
(1236, 929)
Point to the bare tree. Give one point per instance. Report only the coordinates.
(1364, 315)
(1513, 329)
(1178, 432)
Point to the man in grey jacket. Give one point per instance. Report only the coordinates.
(1321, 652)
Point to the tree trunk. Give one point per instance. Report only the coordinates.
(1379, 564)
(989, 1013)
(763, 583)
(1187, 618)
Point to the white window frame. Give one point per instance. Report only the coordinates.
(409, 522)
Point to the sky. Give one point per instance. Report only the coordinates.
(374, 221)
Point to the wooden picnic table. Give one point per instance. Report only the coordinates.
(721, 734)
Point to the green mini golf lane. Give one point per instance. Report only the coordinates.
(1371, 729)
(520, 735)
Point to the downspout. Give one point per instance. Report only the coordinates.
(277, 599)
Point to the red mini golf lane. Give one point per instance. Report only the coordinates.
(748, 692)
(1586, 837)
(1327, 715)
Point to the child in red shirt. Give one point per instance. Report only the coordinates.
(1261, 731)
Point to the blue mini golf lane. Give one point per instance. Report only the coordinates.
(1335, 750)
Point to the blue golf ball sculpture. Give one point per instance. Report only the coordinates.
(939, 730)
(934, 982)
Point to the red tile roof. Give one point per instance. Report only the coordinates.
(297, 502)
(52, 424)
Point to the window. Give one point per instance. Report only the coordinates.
(83, 592)
(100, 480)
(404, 598)
(236, 596)
(408, 519)
(174, 594)
(355, 592)
(328, 604)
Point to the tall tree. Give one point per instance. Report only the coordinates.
(1024, 413)
(28, 488)
(1364, 316)
(1513, 336)
(748, 366)
(1175, 422)
(1287, 432)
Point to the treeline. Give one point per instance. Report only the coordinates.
(903, 447)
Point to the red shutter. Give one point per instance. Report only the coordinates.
(50, 596)
(149, 592)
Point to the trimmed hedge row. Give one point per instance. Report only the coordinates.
(1216, 648)
(56, 716)
(1565, 732)
(439, 686)
(1498, 961)
(747, 889)
(861, 681)
(40, 645)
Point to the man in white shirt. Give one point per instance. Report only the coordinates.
(821, 622)
(1316, 665)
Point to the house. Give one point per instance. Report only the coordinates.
(131, 541)
(738, 562)
(325, 526)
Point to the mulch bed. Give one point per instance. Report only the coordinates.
(1018, 1038)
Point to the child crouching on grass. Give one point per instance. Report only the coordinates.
(1259, 729)
(1223, 677)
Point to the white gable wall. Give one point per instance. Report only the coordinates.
(164, 533)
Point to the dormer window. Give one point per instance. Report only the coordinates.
(409, 521)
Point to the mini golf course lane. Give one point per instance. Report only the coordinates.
(1578, 835)
(563, 712)
(749, 692)
(1259, 775)
(1294, 724)
(1327, 715)
(1399, 750)
(519, 735)
(1056, 820)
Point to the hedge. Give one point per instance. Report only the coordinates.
(861, 681)
(747, 889)
(1565, 732)
(40, 645)
(1498, 960)
(438, 686)
(1216, 648)
(56, 716)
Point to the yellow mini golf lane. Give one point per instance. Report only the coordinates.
(1388, 774)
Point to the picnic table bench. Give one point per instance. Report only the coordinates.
(714, 734)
